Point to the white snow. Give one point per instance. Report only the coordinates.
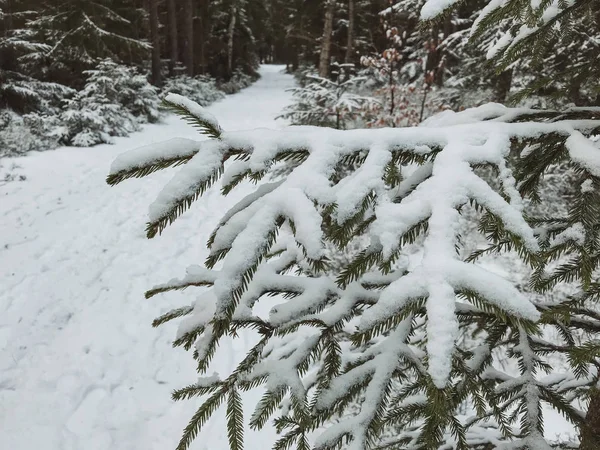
(575, 233)
(189, 178)
(587, 186)
(175, 147)
(433, 8)
(80, 365)
(584, 152)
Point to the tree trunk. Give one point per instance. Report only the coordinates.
(202, 30)
(230, 33)
(590, 431)
(8, 23)
(326, 40)
(155, 39)
(188, 12)
(173, 50)
(350, 45)
(575, 92)
(502, 86)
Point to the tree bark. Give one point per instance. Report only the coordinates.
(326, 40)
(575, 92)
(230, 34)
(203, 35)
(502, 86)
(155, 39)
(173, 47)
(188, 11)
(350, 45)
(8, 18)
(590, 431)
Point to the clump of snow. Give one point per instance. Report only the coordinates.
(208, 381)
(366, 179)
(575, 233)
(587, 186)
(584, 152)
(433, 8)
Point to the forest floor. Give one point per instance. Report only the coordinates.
(80, 365)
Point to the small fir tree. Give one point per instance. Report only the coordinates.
(329, 102)
(113, 102)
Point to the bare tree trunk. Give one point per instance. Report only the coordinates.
(173, 47)
(326, 41)
(230, 33)
(155, 39)
(590, 431)
(188, 11)
(350, 45)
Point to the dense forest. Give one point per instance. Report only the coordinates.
(359, 62)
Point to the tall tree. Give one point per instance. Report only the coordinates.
(233, 13)
(188, 27)
(155, 39)
(173, 38)
(350, 44)
(325, 55)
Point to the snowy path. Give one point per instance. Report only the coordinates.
(80, 366)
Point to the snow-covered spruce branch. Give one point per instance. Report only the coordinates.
(282, 225)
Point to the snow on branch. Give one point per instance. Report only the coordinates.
(434, 8)
(390, 312)
(151, 158)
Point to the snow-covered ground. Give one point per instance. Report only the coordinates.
(80, 365)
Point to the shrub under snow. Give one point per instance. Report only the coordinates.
(16, 138)
(201, 89)
(115, 100)
(237, 82)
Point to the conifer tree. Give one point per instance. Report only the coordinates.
(18, 89)
(404, 363)
(79, 33)
(325, 53)
(332, 103)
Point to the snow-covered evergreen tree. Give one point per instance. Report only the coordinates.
(114, 100)
(329, 102)
(76, 34)
(404, 362)
(540, 39)
(18, 90)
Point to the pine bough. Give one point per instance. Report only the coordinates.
(377, 338)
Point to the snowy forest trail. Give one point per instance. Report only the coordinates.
(80, 365)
